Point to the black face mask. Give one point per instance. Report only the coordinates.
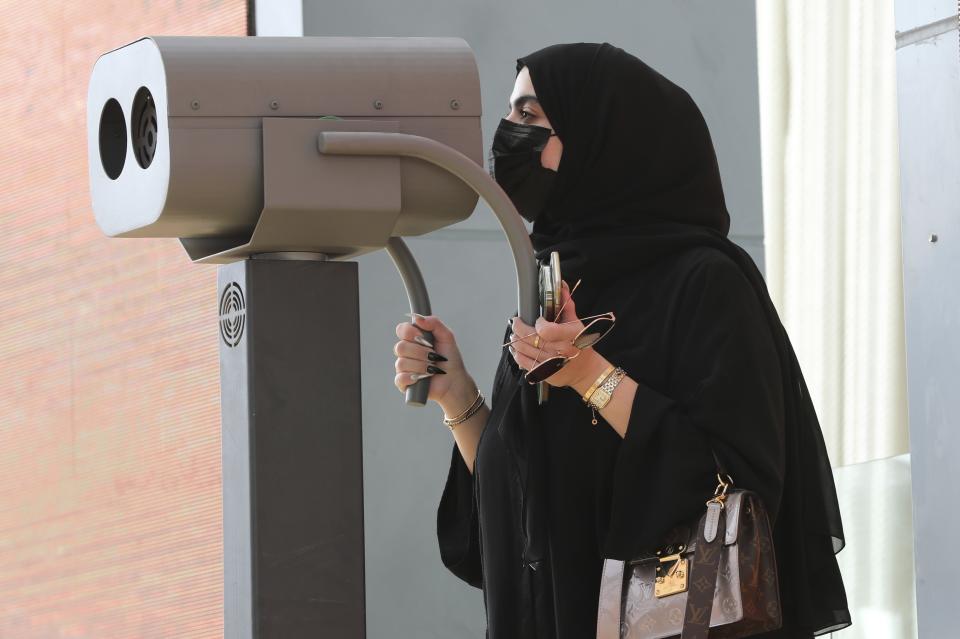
(514, 162)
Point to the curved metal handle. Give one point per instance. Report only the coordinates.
(416, 393)
(474, 176)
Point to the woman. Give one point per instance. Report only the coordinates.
(614, 166)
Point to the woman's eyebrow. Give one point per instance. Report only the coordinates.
(522, 100)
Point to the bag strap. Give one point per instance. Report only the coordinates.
(703, 573)
(706, 562)
(609, 616)
(720, 468)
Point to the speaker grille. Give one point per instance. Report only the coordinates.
(233, 311)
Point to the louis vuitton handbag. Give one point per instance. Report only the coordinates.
(715, 576)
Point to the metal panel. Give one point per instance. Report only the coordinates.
(928, 81)
(411, 76)
(236, 451)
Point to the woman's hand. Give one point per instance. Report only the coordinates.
(450, 384)
(554, 337)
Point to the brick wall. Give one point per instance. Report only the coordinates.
(110, 522)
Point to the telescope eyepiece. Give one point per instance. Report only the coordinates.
(144, 127)
(113, 138)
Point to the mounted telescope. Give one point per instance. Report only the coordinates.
(280, 159)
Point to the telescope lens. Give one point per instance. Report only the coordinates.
(113, 139)
(144, 127)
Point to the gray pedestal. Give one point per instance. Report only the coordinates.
(292, 449)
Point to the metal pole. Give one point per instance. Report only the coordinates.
(293, 538)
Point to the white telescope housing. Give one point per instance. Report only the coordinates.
(213, 140)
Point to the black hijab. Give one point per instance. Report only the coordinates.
(638, 180)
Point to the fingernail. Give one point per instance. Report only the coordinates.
(436, 357)
(420, 339)
(413, 320)
(418, 376)
(435, 369)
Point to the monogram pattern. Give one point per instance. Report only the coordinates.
(746, 598)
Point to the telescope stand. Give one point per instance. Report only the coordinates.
(292, 448)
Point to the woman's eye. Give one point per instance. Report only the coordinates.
(524, 113)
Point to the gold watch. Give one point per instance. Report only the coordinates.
(593, 387)
(601, 396)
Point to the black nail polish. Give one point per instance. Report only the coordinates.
(436, 357)
(435, 369)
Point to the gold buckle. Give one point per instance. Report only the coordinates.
(723, 485)
(672, 580)
(720, 492)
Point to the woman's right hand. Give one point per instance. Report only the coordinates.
(448, 387)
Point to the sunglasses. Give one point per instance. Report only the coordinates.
(590, 334)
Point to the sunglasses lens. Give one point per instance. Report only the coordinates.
(545, 369)
(592, 332)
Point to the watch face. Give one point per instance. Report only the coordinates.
(600, 398)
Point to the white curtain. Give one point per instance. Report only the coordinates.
(832, 212)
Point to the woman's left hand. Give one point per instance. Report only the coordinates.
(555, 337)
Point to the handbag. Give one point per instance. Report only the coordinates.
(716, 575)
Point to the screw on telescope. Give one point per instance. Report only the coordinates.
(378, 104)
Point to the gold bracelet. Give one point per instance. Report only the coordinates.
(596, 384)
(473, 411)
(467, 409)
(601, 397)
(467, 414)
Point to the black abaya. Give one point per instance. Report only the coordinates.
(552, 494)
